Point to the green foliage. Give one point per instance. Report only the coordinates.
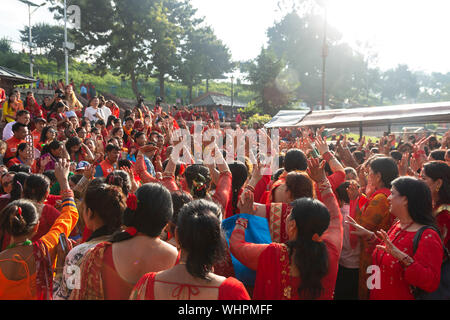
(272, 81)
(49, 39)
(257, 118)
(251, 108)
(203, 57)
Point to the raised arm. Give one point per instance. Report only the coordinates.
(223, 186)
(247, 253)
(69, 214)
(141, 170)
(334, 232)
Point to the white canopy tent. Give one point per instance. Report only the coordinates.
(438, 112)
(287, 118)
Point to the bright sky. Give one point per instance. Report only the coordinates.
(412, 32)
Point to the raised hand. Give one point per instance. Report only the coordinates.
(403, 164)
(245, 203)
(388, 246)
(62, 169)
(316, 170)
(353, 191)
(321, 145)
(359, 230)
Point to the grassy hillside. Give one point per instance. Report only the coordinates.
(114, 84)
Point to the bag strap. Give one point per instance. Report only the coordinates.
(418, 235)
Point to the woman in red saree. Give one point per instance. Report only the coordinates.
(110, 270)
(436, 175)
(193, 277)
(372, 212)
(26, 267)
(400, 267)
(297, 185)
(306, 266)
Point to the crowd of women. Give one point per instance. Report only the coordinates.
(96, 203)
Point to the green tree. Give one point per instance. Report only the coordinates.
(49, 39)
(203, 56)
(115, 35)
(399, 85)
(170, 21)
(270, 79)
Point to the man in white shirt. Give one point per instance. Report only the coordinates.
(22, 116)
(93, 112)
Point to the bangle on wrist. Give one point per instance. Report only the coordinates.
(251, 188)
(242, 223)
(327, 156)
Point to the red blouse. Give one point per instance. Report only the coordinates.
(425, 273)
(230, 289)
(443, 221)
(272, 263)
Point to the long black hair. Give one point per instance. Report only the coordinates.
(440, 170)
(200, 234)
(154, 210)
(240, 174)
(420, 203)
(310, 257)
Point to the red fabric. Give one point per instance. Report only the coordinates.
(260, 188)
(443, 222)
(52, 199)
(2, 96)
(12, 162)
(425, 272)
(273, 280)
(36, 137)
(48, 217)
(44, 274)
(86, 234)
(107, 167)
(229, 211)
(34, 108)
(11, 147)
(285, 212)
(223, 189)
(230, 289)
(281, 180)
(335, 179)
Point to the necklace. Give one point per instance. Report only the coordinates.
(25, 243)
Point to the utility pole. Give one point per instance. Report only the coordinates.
(232, 92)
(31, 4)
(66, 52)
(324, 57)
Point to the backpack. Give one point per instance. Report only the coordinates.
(443, 291)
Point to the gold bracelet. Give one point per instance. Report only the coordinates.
(409, 261)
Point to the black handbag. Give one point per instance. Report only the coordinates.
(443, 291)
